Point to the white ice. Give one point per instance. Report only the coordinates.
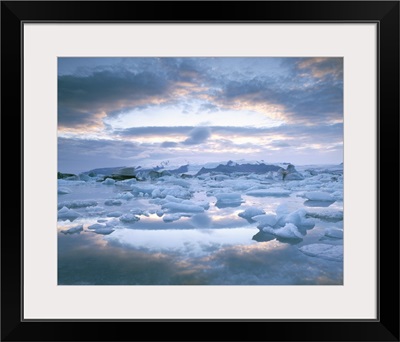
(67, 214)
(250, 212)
(265, 220)
(109, 181)
(230, 198)
(319, 196)
(289, 231)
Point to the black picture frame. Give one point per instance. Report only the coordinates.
(384, 13)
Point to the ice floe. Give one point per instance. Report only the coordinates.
(67, 214)
(231, 199)
(77, 204)
(111, 202)
(114, 214)
(334, 233)
(129, 218)
(73, 230)
(288, 231)
(319, 196)
(63, 190)
(250, 212)
(323, 251)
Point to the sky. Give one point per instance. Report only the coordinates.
(148, 111)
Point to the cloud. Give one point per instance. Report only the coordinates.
(82, 98)
(169, 144)
(198, 136)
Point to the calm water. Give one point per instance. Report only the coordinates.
(216, 247)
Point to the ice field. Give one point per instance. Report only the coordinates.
(227, 224)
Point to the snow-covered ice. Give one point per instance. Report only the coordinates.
(250, 212)
(288, 231)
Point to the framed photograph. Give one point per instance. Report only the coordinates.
(217, 164)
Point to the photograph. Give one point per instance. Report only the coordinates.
(200, 170)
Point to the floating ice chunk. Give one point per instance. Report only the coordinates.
(289, 231)
(69, 182)
(104, 231)
(77, 204)
(112, 223)
(108, 181)
(323, 251)
(73, 230)
(96, 226)
(265, 220)
(282, 209)
(172, 207)
(67, 214)
(299, 219)
(275, 192)
(125, 196)
(176, 192)
(334, 233)
(204, 204)
(143, 189)
(326, 215)
(95, 211)
(129, 218)
(114, 214)
(63, 190)
(171, 217)
(138, 211)
(250, 212)
(113, 202)
(230, 199)
(201, 221)
(319, 196)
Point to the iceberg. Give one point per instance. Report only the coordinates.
(77, 204)
(108, 181)
(289, 231)
(334, 233)
(67, 214)
(319, 196)
(111, 202)
(250, 212)
(265, 220)
(129, 218)
(230, 199)
(63, 190)
(104, 231)
(114, 214)
(73, 230)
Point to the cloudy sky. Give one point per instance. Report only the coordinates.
(144, 111)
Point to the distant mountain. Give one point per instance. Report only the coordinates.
(231, 167)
